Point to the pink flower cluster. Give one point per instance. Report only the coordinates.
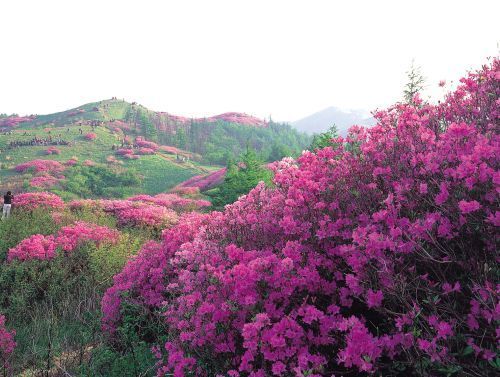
(7, 344)
(91, 136)
(44, 181)
(67, 239)
(373, 251)
(38, 166)
(13, 121)
(144, 210)
(145, 151)
(205, 182)
(146, 144)
(52, 150)
(173, 201)
(32, 200)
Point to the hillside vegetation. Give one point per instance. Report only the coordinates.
(370, 255)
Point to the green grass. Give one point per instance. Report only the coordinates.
(160, 173)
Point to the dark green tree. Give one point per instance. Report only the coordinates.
(240, 178)
(324, 139)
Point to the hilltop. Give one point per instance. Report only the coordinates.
(215, 138)
(113, 138)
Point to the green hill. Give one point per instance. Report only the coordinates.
(216, 139)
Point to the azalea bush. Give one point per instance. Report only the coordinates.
(44, 182)
(67, 239)
(33, 200)
(7, 345)
(52, 150)
(377, 254)
(91, 136)
(37, 166)
(204, 182)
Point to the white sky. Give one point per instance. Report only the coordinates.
(196, 58)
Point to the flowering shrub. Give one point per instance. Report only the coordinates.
(7, 344)
(186, 191)
(144, 276)
(32, 200)
(139, 214)
(38, 166)
(45, 182)
(146, 144)
(71, 162)
(52, 150)
(67, 239)
(144, 150)
(91, 136)
(173, 201)
(205, 182)
(376, 255)
(88, 163)
(37, 246)
(124, 151)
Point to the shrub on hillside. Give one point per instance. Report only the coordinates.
(38, 166)
(44, 182)
(52, 150)
(91, 136)
(376, 255)
(32, 200)
(67, 239)
(7, 345)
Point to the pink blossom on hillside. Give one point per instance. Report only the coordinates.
(52, 150)
(147, 144)
(205, 182)
(69, 237)
(280, 281)
(71, 162)
(13, 121)
(143, 150)
(45, 182)
(7, 344)
(91, 136)
(37, 166)
(37, 246)
(32, 200)
(124, 151)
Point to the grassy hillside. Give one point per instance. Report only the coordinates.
(216, 139)
(158, 173)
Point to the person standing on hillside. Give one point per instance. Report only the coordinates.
(7, 204)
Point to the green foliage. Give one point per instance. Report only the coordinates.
(324, 139)
(148, 128)
(240, 178)
(415, 84)
(101, 181)
(105, 361)
(21, 225)
(220, 141)
(55, 305)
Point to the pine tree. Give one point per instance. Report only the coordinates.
(415, 84)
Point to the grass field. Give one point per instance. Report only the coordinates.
(159, 173)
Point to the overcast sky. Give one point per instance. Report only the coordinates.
(196, 58)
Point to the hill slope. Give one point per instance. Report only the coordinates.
(216, 138)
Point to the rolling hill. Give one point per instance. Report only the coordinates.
(111, 138)
(216, 138)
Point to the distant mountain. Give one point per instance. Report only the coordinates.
(324, 119)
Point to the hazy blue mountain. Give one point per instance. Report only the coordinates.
(343, 119)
